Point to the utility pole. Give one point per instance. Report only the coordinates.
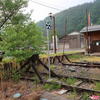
(88, 39)
(55, 47)
(54, 32)
(65, 27)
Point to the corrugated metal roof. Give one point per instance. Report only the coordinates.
(91, 28)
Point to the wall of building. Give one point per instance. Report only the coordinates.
(93, 35)
(93, 41)
(72, 41)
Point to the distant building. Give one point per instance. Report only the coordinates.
(63, 42)
(52, 43)
(76, 40)
(92, 38)
(73, 40)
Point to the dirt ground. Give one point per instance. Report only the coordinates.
(27, 90)
(32, 91)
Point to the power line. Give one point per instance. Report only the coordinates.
(45, 5)
(50, 4)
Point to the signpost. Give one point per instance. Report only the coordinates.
(48, 27)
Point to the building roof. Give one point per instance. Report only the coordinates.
(91, 28)
(74, 33)
(63, 36)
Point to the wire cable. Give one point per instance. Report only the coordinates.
(45, 5)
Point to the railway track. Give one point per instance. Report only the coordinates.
(84, 81)
(65, 76)
(81, 83)
(72, 88)
(86, 65)
(77, 86)
(59, 59)
(90, 63)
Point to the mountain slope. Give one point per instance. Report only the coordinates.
(76, 17)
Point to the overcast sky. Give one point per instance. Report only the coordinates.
(40, 12)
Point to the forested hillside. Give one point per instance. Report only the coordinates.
(76, 17)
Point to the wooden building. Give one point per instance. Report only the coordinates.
(92, 38)
(73, 40)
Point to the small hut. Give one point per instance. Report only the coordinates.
(92, 38)
(74, 40)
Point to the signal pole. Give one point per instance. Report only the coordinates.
(48, 26)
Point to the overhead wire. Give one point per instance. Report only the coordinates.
(42, 4)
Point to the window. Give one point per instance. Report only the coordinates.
(98, 43)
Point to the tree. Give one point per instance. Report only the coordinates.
(21, 41)
(8, 9)
(20, 38)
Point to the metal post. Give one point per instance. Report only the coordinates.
(48, 53)
(47, 28)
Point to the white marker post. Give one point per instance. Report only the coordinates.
(48, 26)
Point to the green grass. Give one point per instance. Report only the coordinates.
(70, 81)
(97, 86)
(51, 86)
(85, 96)
(78, 56)
(58, 54)
(8, 59)
(73, 95)
(52, 67)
